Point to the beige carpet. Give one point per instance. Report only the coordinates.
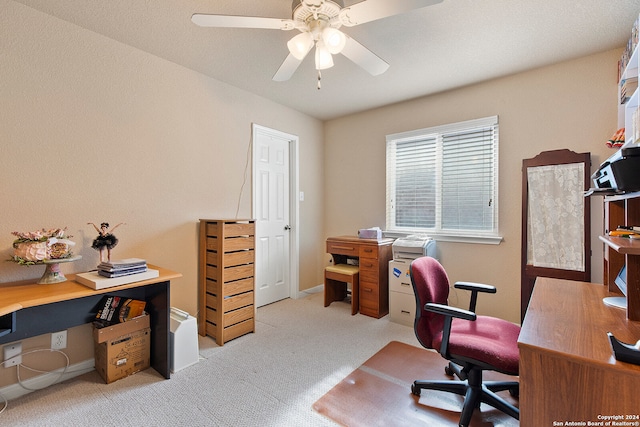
(378, 393)
(271, 378)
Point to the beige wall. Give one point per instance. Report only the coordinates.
(569, 105)
(95, 130)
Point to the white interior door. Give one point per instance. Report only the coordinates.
(271, 211)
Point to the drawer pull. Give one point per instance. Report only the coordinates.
(368, 265)
(367, 289)
(405, 312)
(368, 250)
(405, 284)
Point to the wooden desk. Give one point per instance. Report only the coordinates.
(34, 309)
(567, 368)
(373, 257)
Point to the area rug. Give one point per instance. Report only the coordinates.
(378, 393)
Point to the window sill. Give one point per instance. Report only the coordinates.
(443, 237)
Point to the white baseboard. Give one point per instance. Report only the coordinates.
(314, 290)
(14, 391)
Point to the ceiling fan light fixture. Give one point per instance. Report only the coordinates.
(300, 45)
(334, 40)
(324, 59)
(319, 22)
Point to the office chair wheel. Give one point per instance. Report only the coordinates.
(448, 371)
(415, 390)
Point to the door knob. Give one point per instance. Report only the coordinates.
(287, 227)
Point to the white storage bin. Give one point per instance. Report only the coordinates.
(184, 340)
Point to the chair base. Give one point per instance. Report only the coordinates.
(474, 391)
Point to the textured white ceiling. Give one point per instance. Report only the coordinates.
(430, 50)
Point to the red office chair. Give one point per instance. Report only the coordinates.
(470, 342)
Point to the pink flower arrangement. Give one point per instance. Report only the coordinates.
(35, 247)
(40, 235)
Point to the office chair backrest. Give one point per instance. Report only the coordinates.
(430, 284)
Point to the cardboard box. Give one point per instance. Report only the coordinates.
(122, 349)
(114, 309)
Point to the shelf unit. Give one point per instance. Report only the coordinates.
(623, 209)
(226, 281)
(630, 109)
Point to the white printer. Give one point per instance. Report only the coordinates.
(412, 247)
(402, 303)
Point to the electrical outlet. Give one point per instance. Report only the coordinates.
(12, 354)
(59, 340)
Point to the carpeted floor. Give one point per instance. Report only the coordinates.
(378, 393)
(300, 350)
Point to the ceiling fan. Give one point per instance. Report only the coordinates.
(318, 22)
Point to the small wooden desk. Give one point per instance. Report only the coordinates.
(567, 368)
(373, 257)
(34, 309)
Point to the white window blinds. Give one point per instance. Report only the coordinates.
(444, 179)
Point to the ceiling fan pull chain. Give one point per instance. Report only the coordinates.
(319, 78)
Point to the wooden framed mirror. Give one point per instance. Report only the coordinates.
(556, 219)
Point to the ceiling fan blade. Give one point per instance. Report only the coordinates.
(371, 10)
(286, 70)
(228, 21)
(363, 57)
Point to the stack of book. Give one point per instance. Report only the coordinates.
(118, 272)
(629, 232)
(627, 88)
(122, 267)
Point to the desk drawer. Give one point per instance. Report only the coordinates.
(400, 276)
(231, 228)
(238, 301)
(402, 308)
(367, 264)
(369, 274)
(368, 251)
(342, 248)
(237, 316)
(231, 288)
(401, 286)
(369, 294)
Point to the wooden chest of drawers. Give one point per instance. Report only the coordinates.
(226, 279)
(373, 258)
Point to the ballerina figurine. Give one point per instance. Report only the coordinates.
(105, 239)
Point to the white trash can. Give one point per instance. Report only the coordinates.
(184, 340)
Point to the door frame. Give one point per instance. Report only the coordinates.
(294, 199)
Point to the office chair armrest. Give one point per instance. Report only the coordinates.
(449, 313)
(475, 288)
(471, 286)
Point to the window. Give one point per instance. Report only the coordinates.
(443, 181)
